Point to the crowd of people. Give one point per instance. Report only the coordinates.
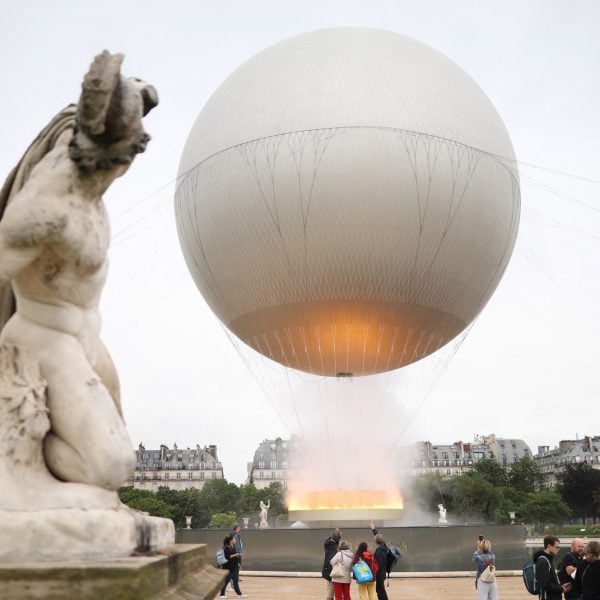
(577, 577)
(337, 552)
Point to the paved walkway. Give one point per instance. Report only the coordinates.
(422, 588)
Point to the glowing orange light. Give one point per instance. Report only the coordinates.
(345, 499)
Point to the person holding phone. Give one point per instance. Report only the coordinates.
(487, 589)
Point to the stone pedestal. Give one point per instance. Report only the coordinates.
(178, 572)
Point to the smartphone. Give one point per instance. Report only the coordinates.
(480, 538)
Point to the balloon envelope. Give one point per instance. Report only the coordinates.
(347, 201)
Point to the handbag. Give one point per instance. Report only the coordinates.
(362, 572)
(488, 575)
(339, 570)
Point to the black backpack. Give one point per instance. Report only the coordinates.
(391, 558)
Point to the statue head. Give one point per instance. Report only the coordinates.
(108, 126)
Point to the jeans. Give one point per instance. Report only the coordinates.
(232, 576)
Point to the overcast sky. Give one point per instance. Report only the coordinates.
(530, 366)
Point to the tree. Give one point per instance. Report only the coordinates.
(474, 496)
(145, 501)
(249, 500)
(492, 472)
(544, 508)
(579, 487)
(218, 495)
(224, 520)
(184, 503)
(525, 476)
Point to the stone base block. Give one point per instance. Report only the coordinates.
(178, 572)
(74, 533)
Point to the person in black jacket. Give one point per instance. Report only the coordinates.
(545, 573)
(588, 575)
(232, 565)
(330, 547)
(380, 556)
(570, 563)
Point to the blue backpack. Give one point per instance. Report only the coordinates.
(221, 560)
(362, 572)
(531, 583)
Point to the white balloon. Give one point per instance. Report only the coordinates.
(348, 201)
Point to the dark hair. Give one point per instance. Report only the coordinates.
(550, 540)
(361, 548)
(227, 540)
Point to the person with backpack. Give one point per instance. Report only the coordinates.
(381, 558)
(232, 565)
(485, 579)
(366, 589)
(330, 547)
(545, 573)
(572, 561)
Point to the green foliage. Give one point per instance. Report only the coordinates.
(544, 508)
(577, 530)
(580, 488)
(218, 495)
(525, 477)
(475, 496)
(217, 498)
(492, 472)
(145, 501)
(224, 520)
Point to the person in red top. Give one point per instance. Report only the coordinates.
(366, 589)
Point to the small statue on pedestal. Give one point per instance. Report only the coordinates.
(263, 514)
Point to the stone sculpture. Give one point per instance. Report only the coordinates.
(264, 508)
(64, 448)
(442, 512)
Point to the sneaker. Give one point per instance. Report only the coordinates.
(242, 596)
(222, 596)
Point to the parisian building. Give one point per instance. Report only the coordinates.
(175, 468)
(274, 461)
(455, 459)
(569, 452)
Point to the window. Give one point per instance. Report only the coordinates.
(167, 476)
(201, 475)
(214, 475)
(261, 475)
(190, 475)
(272, 474)
(178, 475)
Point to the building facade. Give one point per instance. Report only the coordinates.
(569, 452)
(454, 459)
(274, 461)
(175, 468)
